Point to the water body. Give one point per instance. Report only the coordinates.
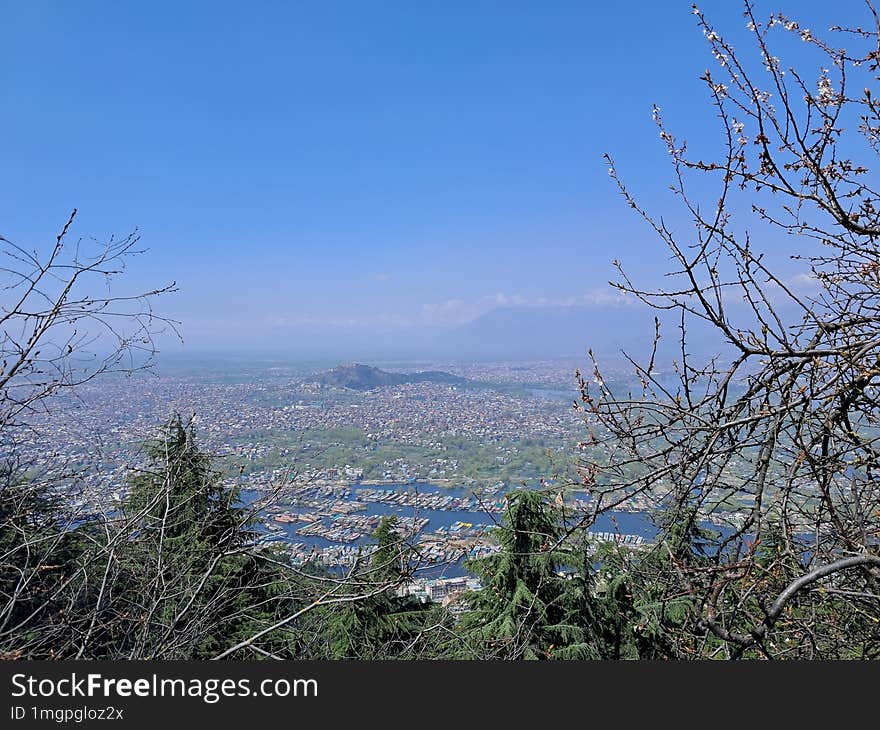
(622, 522)
(553, 394)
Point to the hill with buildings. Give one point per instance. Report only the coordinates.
(356, 376)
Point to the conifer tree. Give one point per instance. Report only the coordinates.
(40, 547)
(380, 625)
(193, 580)
(521, 610)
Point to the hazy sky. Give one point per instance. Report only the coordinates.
(314, 169)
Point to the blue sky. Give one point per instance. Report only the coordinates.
(311, 169)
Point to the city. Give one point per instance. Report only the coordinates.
(322, 464)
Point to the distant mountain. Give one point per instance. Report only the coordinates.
(551, 331)
(366, 377)
(569, 331)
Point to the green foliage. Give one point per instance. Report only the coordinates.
(382, 625)
(549, 593)
(39, 550)
(524, 609)
(508, 460)
(193, 577)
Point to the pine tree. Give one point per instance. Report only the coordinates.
(40, 547)
(193, 578)
(522, 611)
(378, 626)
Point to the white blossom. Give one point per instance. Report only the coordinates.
(826, 93)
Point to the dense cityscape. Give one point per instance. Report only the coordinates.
(322, 463)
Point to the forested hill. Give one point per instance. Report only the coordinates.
(365, 377)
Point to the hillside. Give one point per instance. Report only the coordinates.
(365, 377)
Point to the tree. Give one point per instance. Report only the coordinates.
(778, 433)
(193, 576)
(383, 625)
(63, 323)
(554, 591)
(39, 555)
(61, 326)
(521, 610)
